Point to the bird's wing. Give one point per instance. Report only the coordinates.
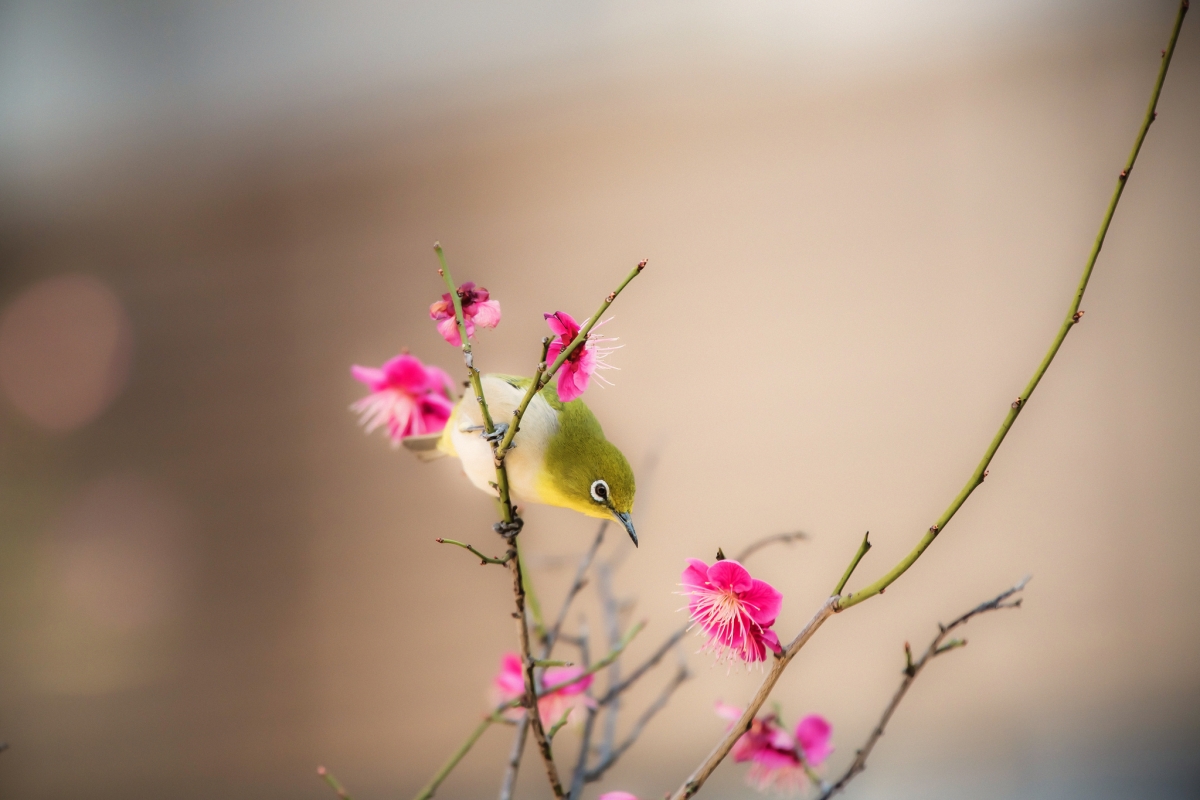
(425, 447)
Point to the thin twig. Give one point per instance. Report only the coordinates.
(911, 670)
(483, 560)
(614, 691)
(333, 782)
(514, 758)
(862, 551)
(531, 693)
(606, 761)
(589, 724)
(1071, 320)
(766, 541)
(576, 585)
(612, 625)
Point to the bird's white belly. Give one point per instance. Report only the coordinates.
(524, 462)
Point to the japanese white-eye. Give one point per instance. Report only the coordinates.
(559, 457)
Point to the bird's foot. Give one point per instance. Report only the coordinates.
(497, 433)
(509, 529)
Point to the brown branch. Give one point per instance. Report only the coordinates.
(514, 758)
(606, 761)
(589, 725)
(576, 586)
(531, 693)
(766, 541)
(692, 785)
(912, 669)
(612, 626)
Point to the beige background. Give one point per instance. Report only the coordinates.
(858, 254)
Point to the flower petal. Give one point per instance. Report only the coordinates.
(557, 675)
(762, 602)
(813, 734)
(448, 328)
(729, 574)
(442, 308)
(567, 389)
(616, 796)
(771, 640)
(695, 575)
(727, 712)
(487, 313)
(562, 324)
(406, 372)
(372, 377)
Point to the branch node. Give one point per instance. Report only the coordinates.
(1078, 315)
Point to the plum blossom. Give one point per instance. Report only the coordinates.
(583, 362)
(477, 309)
(407, 397)
(734, 610)
(509, 684)
(616, 796)
(778, 758)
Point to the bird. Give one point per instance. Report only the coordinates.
(559, 456)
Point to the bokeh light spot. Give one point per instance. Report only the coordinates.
(66, 346)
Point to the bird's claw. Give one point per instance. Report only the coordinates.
(497, 433)
(509, 529)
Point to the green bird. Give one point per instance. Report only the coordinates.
(559, 455)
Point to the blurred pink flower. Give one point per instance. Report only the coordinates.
(407, 396)
(509, 684)
(583, 362)
(616, 796)
(477, 310)
(777, 756)
(734, 610)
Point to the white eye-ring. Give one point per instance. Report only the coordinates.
(600, 491)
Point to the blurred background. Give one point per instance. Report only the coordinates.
(864, 222)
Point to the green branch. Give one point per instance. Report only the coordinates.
(546, 374)
(862, 551)
(1072, 319)
(334, 783)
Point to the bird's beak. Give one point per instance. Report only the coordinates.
(627, 521)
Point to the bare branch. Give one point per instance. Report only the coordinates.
(696, 780)
(606, 761)
(911, 670)
(514, 759)
(576, 585)
(612, 625)
(482, 558)
(766, 541)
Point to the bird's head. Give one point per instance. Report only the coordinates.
(586, 472)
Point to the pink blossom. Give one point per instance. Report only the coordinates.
(477, 310)
(733, 609)
(778, 757)
(616, 796)
(583, 362)
(509, 684)
(407, 396)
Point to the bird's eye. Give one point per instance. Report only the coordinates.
(600, 491)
